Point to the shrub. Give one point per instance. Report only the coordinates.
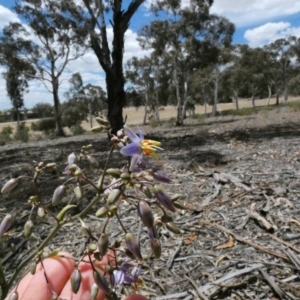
(7, 130)
(23, 133)
(77, 130)
(45, 125)
(294, 105)
(155, 123)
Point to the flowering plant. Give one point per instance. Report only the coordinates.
(138, 183)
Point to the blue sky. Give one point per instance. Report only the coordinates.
(258, 22)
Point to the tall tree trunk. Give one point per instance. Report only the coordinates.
(18, 120)
(216, 87)
(90, 114)
(270, 94)
(146, 105)
(236, 99)
(59, 131)
(157, 105)
(286, 94)
(179, 106)
(277, 97)
(185, 98)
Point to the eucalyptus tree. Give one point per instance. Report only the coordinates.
(88, 100)
(17, 72)
(283, 53)
(138, 72)
(48, 44)
(100, 19)
(190, 36)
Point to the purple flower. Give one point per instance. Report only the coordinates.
(138, 147)
(127, 273)
(71, 161)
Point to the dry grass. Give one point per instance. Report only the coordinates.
(135, 116)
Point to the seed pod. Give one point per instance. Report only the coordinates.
(50, 167)
(91, 248)
(9, 185)
(173, 227)
(94, 291)
(76, 281)
(14, 296)
(85, 228)
(41, 212)
(133, 246)
(175, 197)
(114, 196)
(78, 192)
(163, 198)
(97, 128)
(103, 244)
(32, 268)
(5, 224)
(87, 147)
(102, 121)
(59, 194)
(145, 213)
(112, 211)
(166, 218)
(101, 281)
(156, 248)
(114, 172)
(179, 205)
(126, 176)
(147, 192)
(102, 212)
(28, 228)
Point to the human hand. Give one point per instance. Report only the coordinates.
(58, 270)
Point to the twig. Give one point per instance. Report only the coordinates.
(174, 254)
(200, 295)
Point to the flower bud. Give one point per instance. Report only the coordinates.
(40, 165)
(114, 172)
(152, 233)
(9, 185)
(91, 248)
(120, 133)
(146, 191)
(78, 192)
(5, 224)
(103, 244)
(114, 196)
(14, 296)
(175, 197)
(32, 268)
(166, 218)
(85, 228)
(94, 291)
(102, 212)
(92, 161)
(59, 194)
(133, 246)
(101, 281)
(28, 228)
(163, 198)
(156, 248)
(114, 140)
(145, 213)
(75, 281)
(173, 227)
(160, 177)
(78, 172)
(41, 212)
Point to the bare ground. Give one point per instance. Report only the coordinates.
(238, 178)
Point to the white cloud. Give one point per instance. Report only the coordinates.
(269, 33)
(7, 16)
(249, 12)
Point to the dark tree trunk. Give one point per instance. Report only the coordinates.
(59, 131)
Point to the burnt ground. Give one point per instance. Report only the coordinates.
(238, 178)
